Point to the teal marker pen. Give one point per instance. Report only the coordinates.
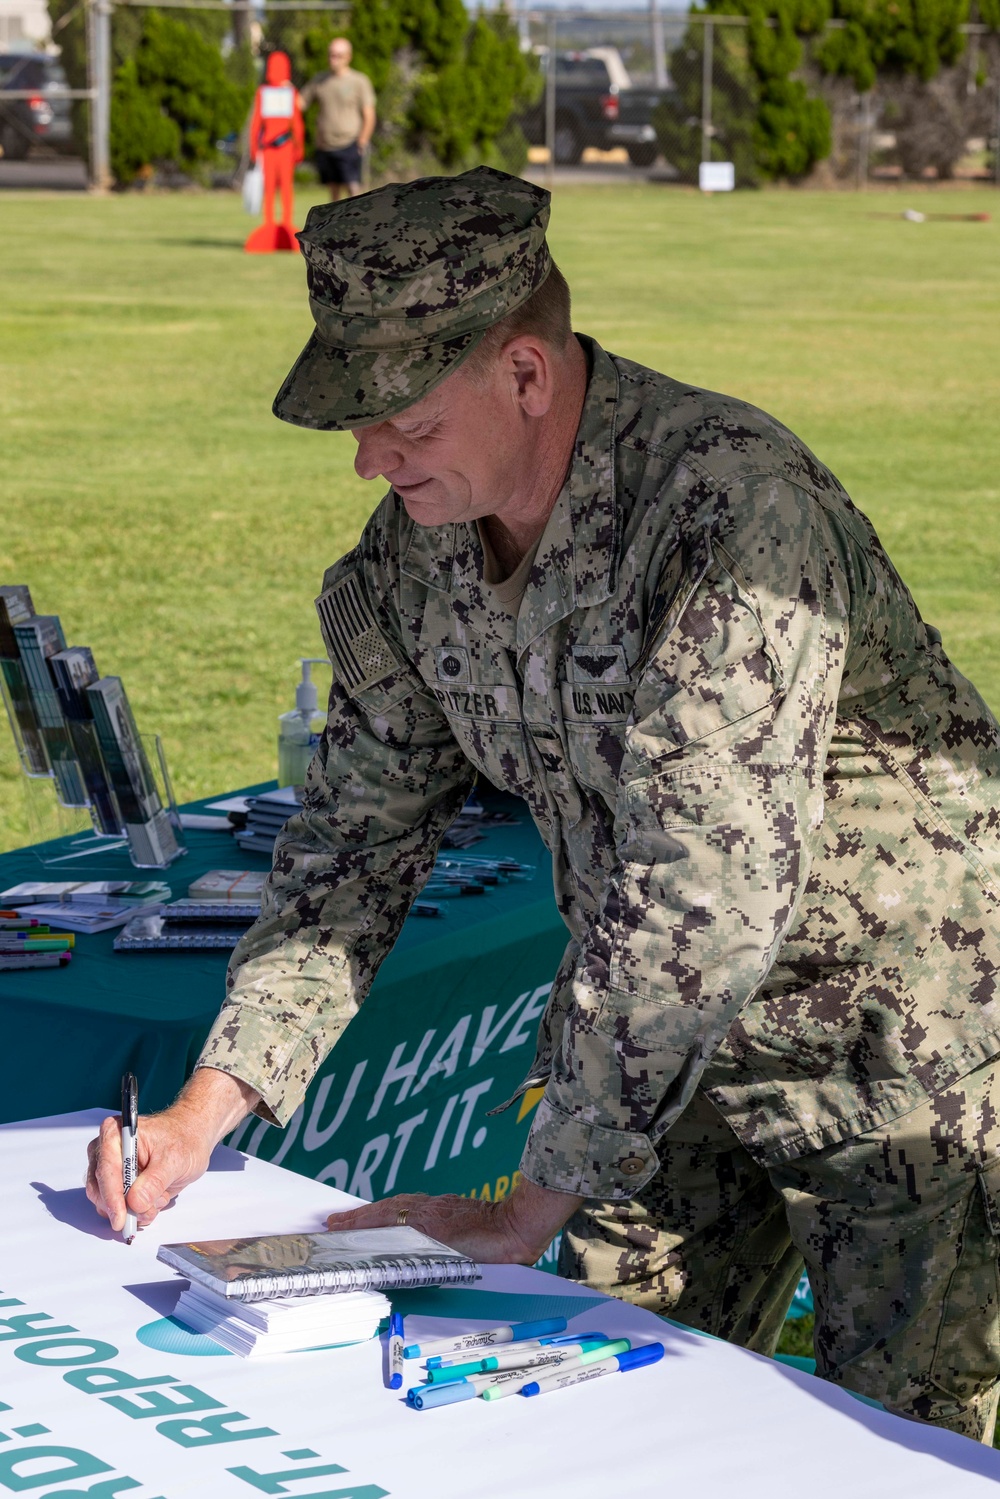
(510, 1359)
(442, 1362)
(454, 1373)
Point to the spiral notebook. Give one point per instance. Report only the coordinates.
(367, 1259)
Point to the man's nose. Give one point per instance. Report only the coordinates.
(377, 453)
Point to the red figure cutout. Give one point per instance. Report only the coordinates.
(276, 133)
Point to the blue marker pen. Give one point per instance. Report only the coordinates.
(470, 1341)
(425, 1397)
(619, 1363)
(396, 1351)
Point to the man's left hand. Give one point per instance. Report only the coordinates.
(515, 1231)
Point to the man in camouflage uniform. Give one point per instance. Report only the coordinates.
(766, 790)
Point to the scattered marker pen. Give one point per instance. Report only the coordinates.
(130, 1140)
(505, 1350)
(532, 1359)
(513, 1333)
(396, 1351)
(424, 1397)
(509, 1358)
(10, 961)
(512, 1381)
(620, 1363)
(507, 1380)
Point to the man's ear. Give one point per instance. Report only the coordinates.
(529, 365)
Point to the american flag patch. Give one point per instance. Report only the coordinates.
(357, 649)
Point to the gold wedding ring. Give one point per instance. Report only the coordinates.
(401, 1217)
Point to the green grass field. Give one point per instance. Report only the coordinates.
(148, 496)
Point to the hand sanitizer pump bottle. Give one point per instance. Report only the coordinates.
(299, 730)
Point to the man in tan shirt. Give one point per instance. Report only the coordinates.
(345, 121)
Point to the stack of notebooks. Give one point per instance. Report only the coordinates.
(288, 1293)
(84, 906)
(27, 943)
(283, 1324)
(187, 925)
(266, 816)
(239, 886)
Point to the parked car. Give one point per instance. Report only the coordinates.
(597, 105)
(39, 119)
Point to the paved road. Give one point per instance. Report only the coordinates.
(589, 173)
(55, 173)
(69, 174)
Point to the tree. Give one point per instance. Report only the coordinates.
(763, 119)
(905, 53)
(182, 72)
(141, 133)
(462, 108)
(890, 41)
(791, 131)
(161, 65)
(893, 36)
(66, 18)
(734, 105)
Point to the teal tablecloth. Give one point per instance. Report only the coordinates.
(401, 1104)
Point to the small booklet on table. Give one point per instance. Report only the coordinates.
(278, 1265)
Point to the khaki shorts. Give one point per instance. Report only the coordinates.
(898, 1228)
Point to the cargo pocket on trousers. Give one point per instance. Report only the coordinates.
(966, 1358)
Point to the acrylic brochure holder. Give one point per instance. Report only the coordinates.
(75, 820)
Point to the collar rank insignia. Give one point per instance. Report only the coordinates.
(451, 663)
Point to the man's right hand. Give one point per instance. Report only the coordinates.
(174, 1147)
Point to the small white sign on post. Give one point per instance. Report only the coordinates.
(716, 176)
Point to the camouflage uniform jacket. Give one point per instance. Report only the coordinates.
(770, 798)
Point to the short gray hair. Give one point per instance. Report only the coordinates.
(546, 313)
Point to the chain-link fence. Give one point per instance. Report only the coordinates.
(909, 130)
(660, 90)
(640, 88)
(97, 15)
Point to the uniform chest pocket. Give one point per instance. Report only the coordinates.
(499, 750)
(595, 716)
(485, 718)
(713, 667)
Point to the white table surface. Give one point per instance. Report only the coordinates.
(708, 1420)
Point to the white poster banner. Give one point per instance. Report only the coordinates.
(102, 1393)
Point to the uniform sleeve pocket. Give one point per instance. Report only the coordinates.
(714, 666)
(966, 1359)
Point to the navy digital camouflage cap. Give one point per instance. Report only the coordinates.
(403, 283)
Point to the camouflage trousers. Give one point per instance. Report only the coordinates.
(899, 1229)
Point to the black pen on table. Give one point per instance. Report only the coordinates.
(130, 1142)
